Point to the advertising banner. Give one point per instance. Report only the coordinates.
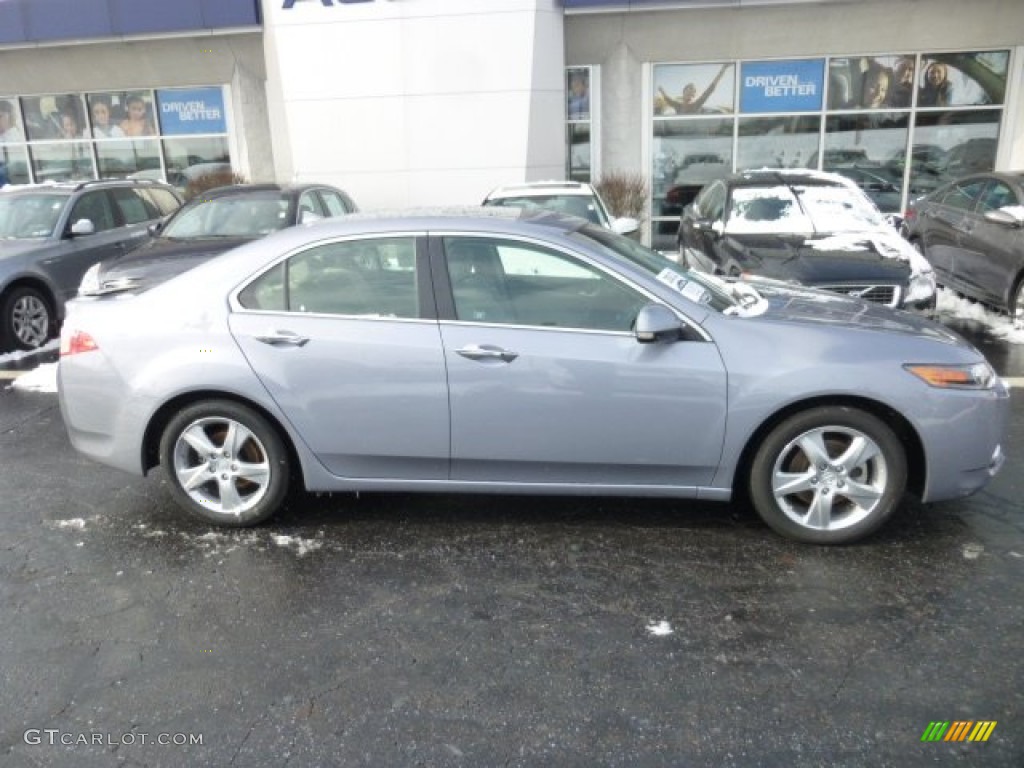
(186, 111)
(781, 86)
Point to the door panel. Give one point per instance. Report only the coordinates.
(352, 355)
(582, 407)
(369, 397)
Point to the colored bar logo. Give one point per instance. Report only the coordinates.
(959, 730)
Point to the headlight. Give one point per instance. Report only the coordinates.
(976, 376)
(922, 286)
(90, 281)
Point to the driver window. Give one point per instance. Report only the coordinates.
(509, 282)
(94, 206)
(997, 195)
(712, 204)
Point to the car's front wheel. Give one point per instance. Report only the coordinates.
(27, 318)
(828, 475)
(226, 464)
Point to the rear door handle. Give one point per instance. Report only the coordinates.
(283, 339)
(487, 352)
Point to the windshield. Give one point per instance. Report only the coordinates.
(696, 286)
(801, 209)
(584, 206)
(236, 216)
(29, 216)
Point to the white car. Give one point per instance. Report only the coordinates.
(572, 197)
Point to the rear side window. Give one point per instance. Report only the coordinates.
(372, 277)
(134, 208)
(164, 201)
(333, 203)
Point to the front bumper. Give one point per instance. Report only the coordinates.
(964, 438)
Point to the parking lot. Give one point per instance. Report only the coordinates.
(467, 630)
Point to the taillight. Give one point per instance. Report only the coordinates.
(75, 342)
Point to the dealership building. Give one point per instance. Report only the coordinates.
(423, 102)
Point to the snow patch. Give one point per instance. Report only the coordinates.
(998, 325)
(11, 357)
(973, 551)
(659, 628)
(43, 378)
(300, 545)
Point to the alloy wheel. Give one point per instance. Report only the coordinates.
(829, 478)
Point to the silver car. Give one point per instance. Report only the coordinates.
(522, 353)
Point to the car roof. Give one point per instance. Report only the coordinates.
(243, 189)
(542, 189)
(70, 187)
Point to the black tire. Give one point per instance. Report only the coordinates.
(232, 488)
(27, 318)
(1016, 303)
(846, 500)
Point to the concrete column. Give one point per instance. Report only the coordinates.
(419, 102)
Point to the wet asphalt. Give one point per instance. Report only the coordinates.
(394, 630)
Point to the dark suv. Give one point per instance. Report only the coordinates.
(50, 234)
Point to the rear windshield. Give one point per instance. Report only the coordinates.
(575, 205)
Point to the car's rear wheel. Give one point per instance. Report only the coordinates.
(1017, 303)
(226, 464)
(828, 475)
(27, 318)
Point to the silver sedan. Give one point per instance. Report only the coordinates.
(522, 353)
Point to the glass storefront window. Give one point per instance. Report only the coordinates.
(579, 151)
(60, 117)
(122, 158)
(62, 161)
(13, 164)
(187, 159)
(777, 142)
(688, 154)
(114, 134)
(951, 144)
(868, 149)
(861, 116)
(579, 111)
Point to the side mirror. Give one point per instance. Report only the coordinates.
(656, 322)
(83, 227)
(625, 226)
(307, 217)
(708, 227)
(155, 227)
(1004, 217)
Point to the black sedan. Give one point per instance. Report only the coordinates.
(972, 232)
(211, 224)
(806, 227)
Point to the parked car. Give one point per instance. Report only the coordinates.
(808, 227)
(50, 234)
(572, 197)
(210, 224)
(522, 352)
(972, 233)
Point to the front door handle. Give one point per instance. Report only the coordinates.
(487, 352)
(283, 339)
